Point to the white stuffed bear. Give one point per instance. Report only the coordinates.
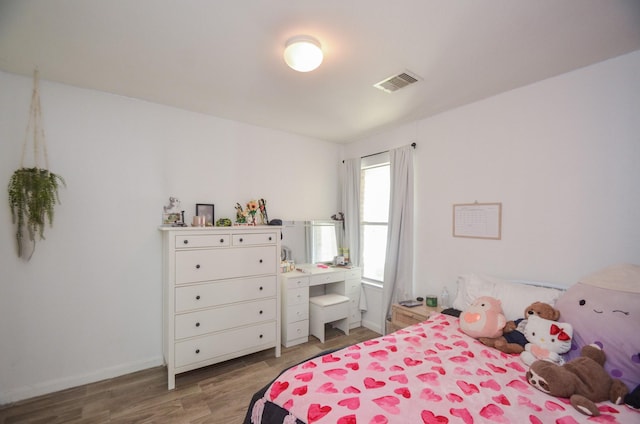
(547, 340)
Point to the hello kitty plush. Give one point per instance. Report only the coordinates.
(547, 340)
(484, 318)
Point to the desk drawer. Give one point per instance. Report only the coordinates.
(297, 312)
(297, 297)
(297, 329)
(294, 283)
(329, 277)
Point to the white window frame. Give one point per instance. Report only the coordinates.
(369, 162)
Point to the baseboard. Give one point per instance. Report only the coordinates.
(51, 386)
(373, 326)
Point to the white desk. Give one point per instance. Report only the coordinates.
(298, 286)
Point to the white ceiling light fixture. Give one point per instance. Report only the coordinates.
(303, 53)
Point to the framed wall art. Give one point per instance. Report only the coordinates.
(478, 220)
(206, 210)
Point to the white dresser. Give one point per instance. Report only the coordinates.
(298, 286)
(220, 293)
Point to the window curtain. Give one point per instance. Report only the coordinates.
(351, 208)
(398, 272)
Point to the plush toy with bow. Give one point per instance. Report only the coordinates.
(547, 340)
(484, 318)
(512, 339)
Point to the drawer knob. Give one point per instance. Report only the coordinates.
(198, 297)
(198, 266)
(241, 240)
(260, 335)
(197, 351)
(186, 242)
(261, 288)
(270, 239)
(197, 324)
(260, 312)
(260, 260)
(222, 240)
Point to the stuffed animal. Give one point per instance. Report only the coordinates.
(604, 309)
(546, 340)
(484, 318)
(513, 339)
(583, 380)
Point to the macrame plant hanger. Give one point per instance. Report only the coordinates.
(34, 124)
(33, 192)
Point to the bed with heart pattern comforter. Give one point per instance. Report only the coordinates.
(430, 372)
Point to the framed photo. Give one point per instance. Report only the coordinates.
(478, 220)
(171, 218)
(206, 210)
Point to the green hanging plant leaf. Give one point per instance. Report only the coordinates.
(33, 194)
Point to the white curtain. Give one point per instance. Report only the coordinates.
(351, 208)
(398, 272)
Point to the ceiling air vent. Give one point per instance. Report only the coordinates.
(397, 82)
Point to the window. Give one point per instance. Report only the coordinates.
(374, 208)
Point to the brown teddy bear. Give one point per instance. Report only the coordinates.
(513, 339)
(583, 380)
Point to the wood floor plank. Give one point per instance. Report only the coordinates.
(218, 394)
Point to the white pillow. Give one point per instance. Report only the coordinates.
(514, 297)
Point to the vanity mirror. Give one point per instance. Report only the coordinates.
(311, 242)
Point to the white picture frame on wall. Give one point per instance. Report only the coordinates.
(478, 220)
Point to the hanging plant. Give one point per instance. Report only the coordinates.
(33, 192)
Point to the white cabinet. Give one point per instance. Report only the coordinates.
(220, 294)
(349, 285)
(298, 286)
(295, 308)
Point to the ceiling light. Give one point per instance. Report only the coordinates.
(303, 53)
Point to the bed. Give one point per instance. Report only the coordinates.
(430, 372)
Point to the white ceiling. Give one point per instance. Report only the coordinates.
(224, 58)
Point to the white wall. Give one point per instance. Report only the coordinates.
(563, 157)
(88, 304)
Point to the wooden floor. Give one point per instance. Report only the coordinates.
(216, 394)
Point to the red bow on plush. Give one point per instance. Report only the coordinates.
(560, 332)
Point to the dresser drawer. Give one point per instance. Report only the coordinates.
(209, 347)
(297, 297)
(253, 239)
(329, 277)
(297, 313)
(227, 291)
(293, 283)
(216, 319)
(297, 329)
(216, 264)
(196, 240)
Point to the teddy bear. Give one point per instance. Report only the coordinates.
(483, 318)
(583, 380)
(512, 339)
(546, 340)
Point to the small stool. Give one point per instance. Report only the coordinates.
(328, 308)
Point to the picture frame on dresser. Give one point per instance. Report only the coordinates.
(208, 211)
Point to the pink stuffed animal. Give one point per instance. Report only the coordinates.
(484, 318)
